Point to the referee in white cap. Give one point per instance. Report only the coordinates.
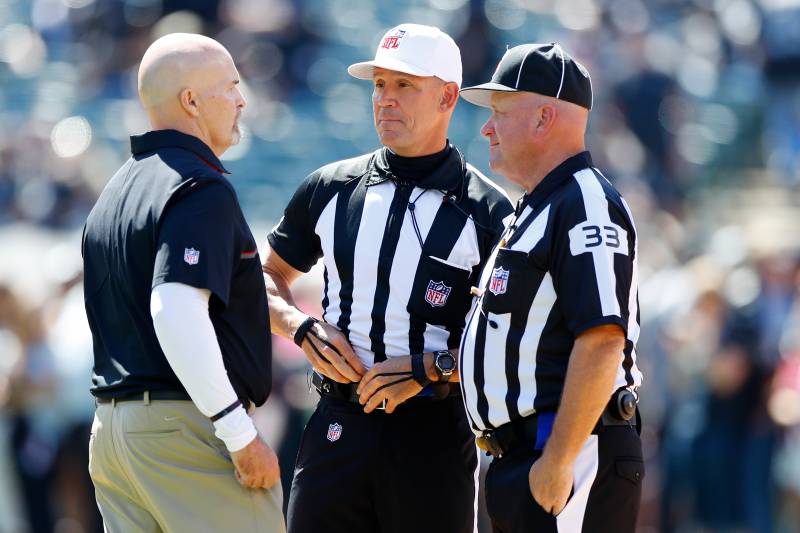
(403, 233)
(548, 359)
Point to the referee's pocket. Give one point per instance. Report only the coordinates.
(631, 469)
(512, 282)
(440, 294)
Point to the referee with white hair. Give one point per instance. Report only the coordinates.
(548, 359)
(403, 233)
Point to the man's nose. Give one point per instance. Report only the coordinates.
(385, 99)
(487, 129)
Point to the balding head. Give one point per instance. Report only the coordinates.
(530, 134)
(188, 82)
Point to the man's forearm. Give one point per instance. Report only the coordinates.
(284, 316)
(590, 377)
(188, 340)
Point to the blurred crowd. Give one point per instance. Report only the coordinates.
(696, 119)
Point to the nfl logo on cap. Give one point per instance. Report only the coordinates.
(414, 49)
(191, 256)
(393, 41)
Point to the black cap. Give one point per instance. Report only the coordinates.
(537, 68)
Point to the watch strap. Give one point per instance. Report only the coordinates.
(418, 369)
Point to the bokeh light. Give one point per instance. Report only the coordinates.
(23, 49)
(71, 136)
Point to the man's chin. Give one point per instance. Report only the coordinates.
(391, 140)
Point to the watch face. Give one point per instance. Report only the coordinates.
(446, 362)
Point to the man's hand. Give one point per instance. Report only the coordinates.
(256, 465)
(550, 484)
(390, 380)
(331, 355)
(593, 365)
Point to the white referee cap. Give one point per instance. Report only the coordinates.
(414, 49)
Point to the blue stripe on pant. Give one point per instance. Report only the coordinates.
(412, 470)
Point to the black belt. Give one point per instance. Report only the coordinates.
(526, 432)
(145, 395)
(347, 391)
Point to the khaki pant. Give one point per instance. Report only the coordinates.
(157, 466)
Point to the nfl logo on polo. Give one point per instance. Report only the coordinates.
(499, 281)
(334, 432)
(191, 256)
(437, 293)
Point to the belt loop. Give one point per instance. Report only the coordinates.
(147, 397)
(113, 402)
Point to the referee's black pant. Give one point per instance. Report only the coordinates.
(412, 470)
(607, 488)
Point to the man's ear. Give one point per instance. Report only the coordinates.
(449, 96)
(188, 99)
(545, 118)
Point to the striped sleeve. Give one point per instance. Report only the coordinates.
(294, 238)
(592, 261)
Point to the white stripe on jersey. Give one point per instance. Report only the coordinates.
(401, 281)
(540, 309)
(467, 364)
(633, 303)
(465, 253)
(596, 206)
(377, 203)
(494, 372)
(324, 229)
(534, 233)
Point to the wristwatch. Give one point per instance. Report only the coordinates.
(445, 364)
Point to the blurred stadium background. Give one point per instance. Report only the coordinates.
(696, 120)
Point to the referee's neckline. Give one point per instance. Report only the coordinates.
(447, 176)
(565, 170)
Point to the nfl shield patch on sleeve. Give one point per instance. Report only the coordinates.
(191, 256)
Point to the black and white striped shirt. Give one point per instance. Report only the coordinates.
(399, 257)
(566, 263)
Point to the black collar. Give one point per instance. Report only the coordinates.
(554, 179)
(448, 177)
(154, 140)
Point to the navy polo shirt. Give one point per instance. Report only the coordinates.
(169, 215)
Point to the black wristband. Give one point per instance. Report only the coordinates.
(227, 410)
(302, 331)
(418, 369)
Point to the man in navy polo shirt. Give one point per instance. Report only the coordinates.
(178, 311)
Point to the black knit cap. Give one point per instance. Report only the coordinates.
(537, 68)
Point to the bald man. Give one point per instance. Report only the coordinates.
(548, 359)
(178, 311)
